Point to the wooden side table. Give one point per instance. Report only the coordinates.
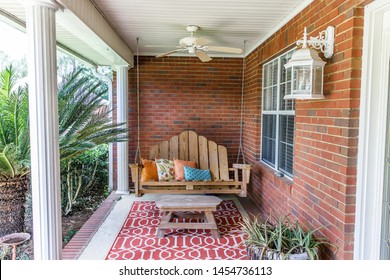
(14, 239)
(171, 204)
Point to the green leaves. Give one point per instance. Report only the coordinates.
(281, 239)
(84, 119)
(14, 129)
(11, 165)
(7, 163)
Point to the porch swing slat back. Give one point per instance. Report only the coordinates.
(190, 146)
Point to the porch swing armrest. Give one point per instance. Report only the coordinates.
(135, 176)
(135, 172)
(245, 175)
(245, 169)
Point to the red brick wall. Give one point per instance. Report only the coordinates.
(179, 93)
(322, 192)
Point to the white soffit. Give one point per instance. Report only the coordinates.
(75, 36)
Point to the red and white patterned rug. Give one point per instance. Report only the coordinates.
(136, 240)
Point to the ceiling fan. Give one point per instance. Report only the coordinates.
(199, 46)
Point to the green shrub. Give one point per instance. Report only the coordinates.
(84, 180)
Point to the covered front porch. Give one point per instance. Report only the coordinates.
(316, 160)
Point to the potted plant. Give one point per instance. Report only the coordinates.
(281, 240)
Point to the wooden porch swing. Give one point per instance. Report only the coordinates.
(189, 146)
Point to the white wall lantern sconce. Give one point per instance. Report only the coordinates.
(307, 68)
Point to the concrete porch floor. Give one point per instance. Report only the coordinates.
(94, 240)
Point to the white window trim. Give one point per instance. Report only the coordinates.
(372, 129)
(277, 113)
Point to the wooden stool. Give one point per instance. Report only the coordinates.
(13, 240)
(169, 204)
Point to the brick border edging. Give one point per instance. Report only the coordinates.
(80, 240)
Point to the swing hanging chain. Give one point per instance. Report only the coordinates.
(138, 151)
(240, 148)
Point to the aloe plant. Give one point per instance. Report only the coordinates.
(280, 239)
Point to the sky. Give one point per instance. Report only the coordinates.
(13, 42)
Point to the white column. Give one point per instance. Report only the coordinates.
(43, 99)
(122, 117)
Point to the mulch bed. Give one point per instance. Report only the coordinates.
(70, 225)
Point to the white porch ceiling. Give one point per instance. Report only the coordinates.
(162, 22)
(225, 22)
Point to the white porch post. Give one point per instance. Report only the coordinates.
(45, 163)
(122, 117)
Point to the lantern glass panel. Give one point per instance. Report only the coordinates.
(301, 80)
(317, 79)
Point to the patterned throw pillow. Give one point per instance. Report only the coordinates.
(179, 167)
(193, 174)
(165, 169)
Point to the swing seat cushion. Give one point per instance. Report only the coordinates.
(149, 171)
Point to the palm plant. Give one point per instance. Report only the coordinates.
(14, 151)
(84, 123)
(14, 132)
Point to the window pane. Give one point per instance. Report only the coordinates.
(267, 102)
(286, 105)
(270, 98)
(286, 143)
(285, 80)
(270, 90)
(275, 72)
(269, 139)
(277, 117)
(267, 75)
(284, 74)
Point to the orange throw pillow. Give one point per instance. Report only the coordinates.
(179, 167)
(149, 171)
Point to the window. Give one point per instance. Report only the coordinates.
(278, 116)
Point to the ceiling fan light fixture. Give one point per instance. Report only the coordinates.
(192, 28)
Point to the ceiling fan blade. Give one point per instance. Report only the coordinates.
(159, 46)
(224, 49)
(204, 57)
(168, 53)
(201, 42)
